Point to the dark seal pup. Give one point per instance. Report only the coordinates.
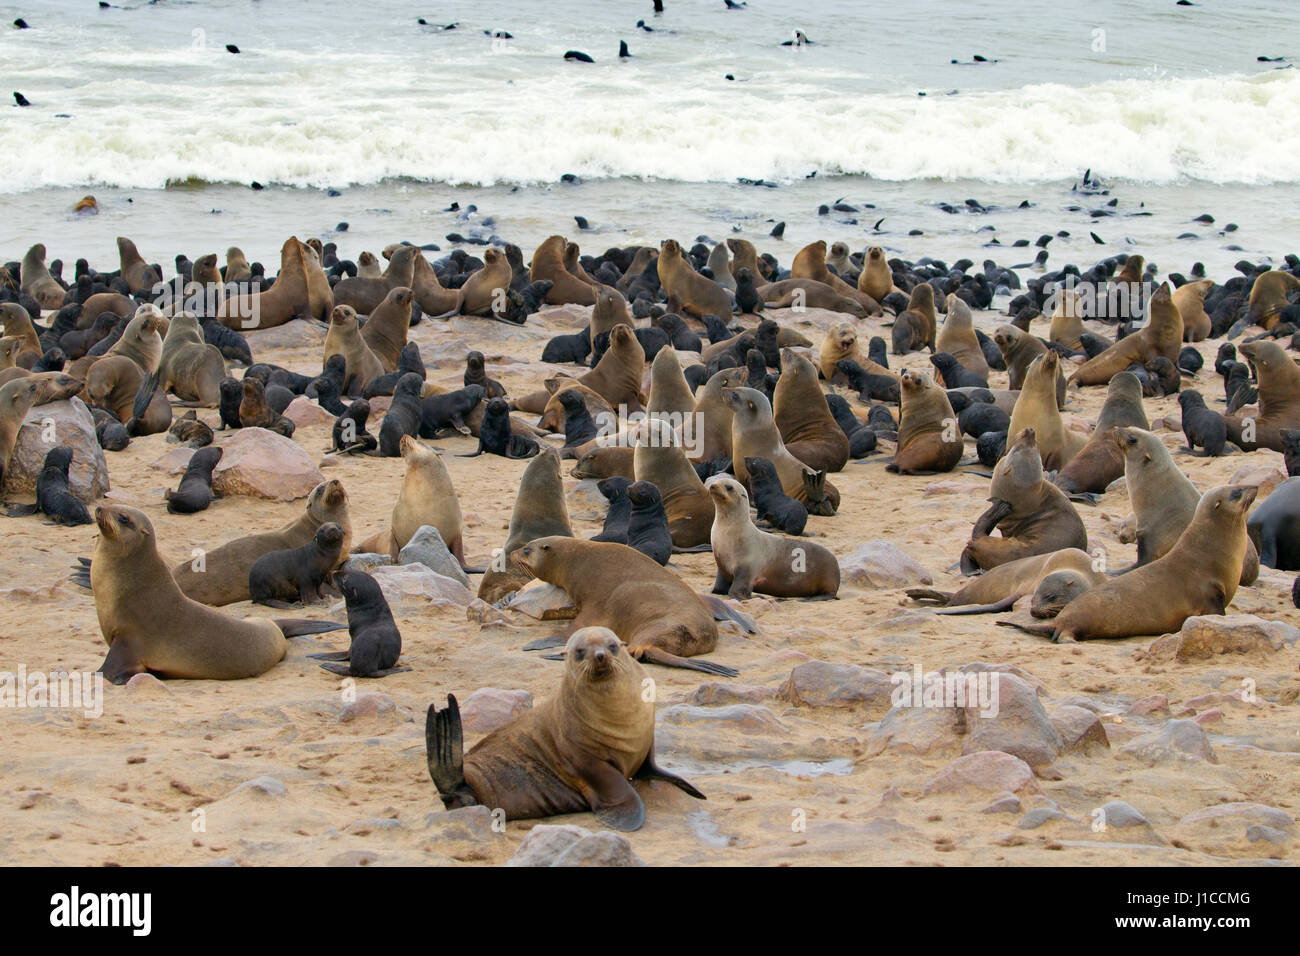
(53, 497)
(772, 504)
(647, 525)
(376, 641)
(495, 438)
(1201, 426)
(195, 490)
(296, 574)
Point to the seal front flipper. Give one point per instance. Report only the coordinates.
(121, 664)
(1004, 605)
(555, 640)
(656, 655)
(721, 583)
(21, 511)
(929, 594)
(332, 656)
(294, 627)
(444, 747)
(1039, 630)
(722, 611)
(612, 799)
(650, 771)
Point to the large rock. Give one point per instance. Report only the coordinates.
(427, 547)
(1181, 740)
(489, 708)
(1208, 636)
(261, 464)
(1080, 729)
(823, 684)
(73, 426)
(989, 771)
(880, 564)
(304, 413)
(567, 845)
(1012, 721)
(585, 502)
(416, 583)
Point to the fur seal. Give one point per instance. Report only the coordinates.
(1279, 398)
(659, 458)
(1198, 576)
(54, 498)
(1161, 336)
(647, 525)
(957, 337)
(1101, 461)
(1274, 528)
(875, 279)
(1019, 349)
(754, 435)
(385, 330)
(139, 275)
(712, 416)
(16, 399)
(810, 263)
(1268, 297)
(344, 338)
(696, 295)
(670, 395)
(280, 578)
(1036, 409)
(575, 752)
(1034, 516)
(548, 265)
(539, 512)
(929, 438)
(661, 619)
(376, 643)
(195, 491)
(150, 625)
(1189, 299)
(295, 293)
(804, 419)
(997, 589)
(365, 295)
(751, 560)
(36, 280)
(188, 366)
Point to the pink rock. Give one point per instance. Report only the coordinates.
(304, 413)
(1149, 705)
(262, 464)
(989, 771)
(489, 708)
(147, 685)
(173, 462)
(1263, 477)
(368, 705)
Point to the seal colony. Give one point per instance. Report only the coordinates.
(721, 399)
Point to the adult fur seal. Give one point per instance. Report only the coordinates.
(712, 416)
(1274, 528)
(661, 619)
(1189, 299)
(1268, 297)
(1198, 576)
(139, 275)
(754, 435)
(195, 491)
(188, 366)
(16, 400)
(1161, 336)
(295, 293)
(548, 265)
(1036, 409)
(999, 588)
(957, 337)
(695, 294)
(875, 279)
(929, 439)
(366, 295)
(575, 752)
(1279, 399)
(750, 560)
(539, 512)
(658, 458)
(1164, 500)
(385, 329)
(427, 497)
(344, 338)
(1101, 461)
(810, 263)
(670, 396)
(1019, 349)
(1034, 516)
(150, 625)
(804, 419)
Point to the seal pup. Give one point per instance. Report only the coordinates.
(612, 585)
(376, 643)
(54, 498)
(195, 491)
(751, 560)
(771, 503)
(647, 524)
(1274, 528)
(572, 753)
(280, 578)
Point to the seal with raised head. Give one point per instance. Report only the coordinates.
(1161, 336)
(695, 294)
(344, 338)
(803, 417)
(194, 493)
(548, 265)
(957, 337)
(661, 619)
(188, 366)
(659, 458)
(385, 330)
(875, 279)
(1036, 409)
(929, 438)
(575, 752)
(1100, 461)
(376, 643)
(1279, 399)
(294, 294)
(539, 512)
(54, 498)
(151, 626)
(365, 295)
(281, 578)
(752, 560)
(754, 435)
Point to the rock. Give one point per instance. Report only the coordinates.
(1080, 729)
(174, 460)
(742, 718)
(989, 771)
(264, 786)
(1256, 833)
(1149, 705)
(73, 426)
(1177, 740)
(918, 730)
(427, 547)
(567, 845)
(368, 705)
(1037, 817)
(1013, 722)
(1264, 477)
(146, 685)
(304, 413)
(1003, 803)
(953, 488)
(1119, 814)
(1240, 814)
(879, 564)
(489, 708)
(416, 583)
(367, 562)
(262, 464)
(585, 502)
(1207, 636)
(822, 684)
(543, 602)
(713, 695)
(294, 334)
(352, 857)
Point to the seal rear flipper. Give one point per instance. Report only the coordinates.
(722, 611)
(332, 656)
(1039, 630)
(144, 395)
(929, 594)
(649, 770)
(1004, 605)
(293, 627)
(657, 655)
(121, 664)
(613, 800)
(444, 749)
(1086, 497)
(696, 549)
(21, 511)
(81, 574)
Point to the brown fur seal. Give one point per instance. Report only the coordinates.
(291, 295)
(385, 330)
(139, 275)
(713, 416)
(617, 376)
(1189, 299)
(1019, 349)
(610, 310)
(1279, 398)
(1034, 516)
(575, 752)
(123, 306)
(842, 342)
(16, 399)
(1067, 320)
(1036, 409)
(810, 263)
(670, 395)
(999, 588)
(808, 294)
(430, 295)
(658, 457)
(18, 325)
(344, 338)
(958, 339)
(1268, 297)
(484, 292)
(1100, 461)
(368, 266)
(237, 267)
(365, 295)
(224, 575)
(745, 256)
(189, 367)
(553, 415)
(659, 617)
(151, 626)
(611, 461)
(875, 279)
(929, 439)
(697, 295)
(921, 307)
(36, 280)
(803, 417)
(1198, 576)
(548, 263)
(427, 497)
(754, 561)
(754, 435)
(1163, 499)
(540, 512)
(1161, 336)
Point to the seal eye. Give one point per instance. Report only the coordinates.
(613, 648)
(578, 653)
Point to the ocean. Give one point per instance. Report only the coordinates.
(355, 113)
